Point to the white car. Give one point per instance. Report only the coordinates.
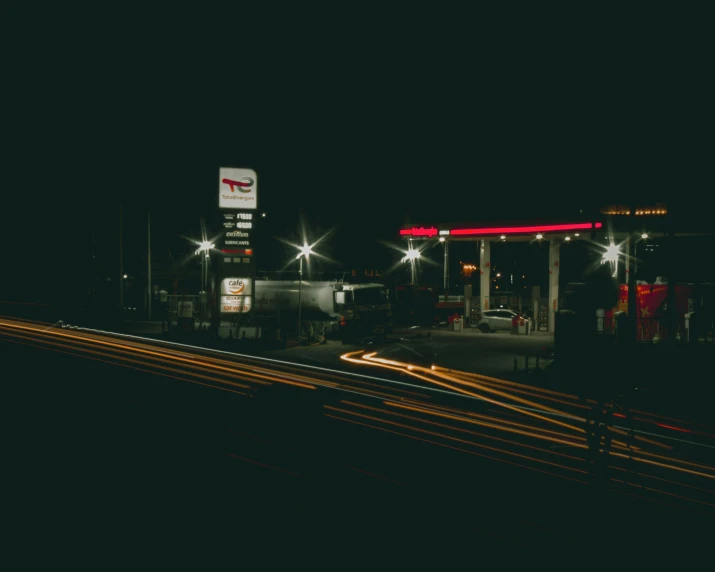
(496, 320)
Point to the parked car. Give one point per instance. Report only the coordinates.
(496, 320)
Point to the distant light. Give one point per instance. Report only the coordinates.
(441, 239)
(204, 246)
(576, 234)
(503, 236)
(611, 254)
(434, 368)
(411, 254)
(498, 274)
(539, 236)
(444, 232)
(567, 238)
(263, 215)
(125, 276)
(305, 250)
(644, 235)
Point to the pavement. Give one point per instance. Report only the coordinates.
(499, 354)
(469, 350)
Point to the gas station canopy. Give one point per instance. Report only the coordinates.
(511, 232)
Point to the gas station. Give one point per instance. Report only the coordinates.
(615, 233)
(484, 236)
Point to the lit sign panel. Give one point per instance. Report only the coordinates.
(236, 287)
(244, 251)
(235, 304)
(237, 189)
(428, 232)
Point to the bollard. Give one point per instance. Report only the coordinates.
(516, 366)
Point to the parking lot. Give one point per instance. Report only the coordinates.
(469, 350)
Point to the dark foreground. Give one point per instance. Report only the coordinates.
(105, 461)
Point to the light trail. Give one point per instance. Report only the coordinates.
(130, 367)
(463, 441)
(455, 448)
(183, 362)
(523, 410)
(490, 425)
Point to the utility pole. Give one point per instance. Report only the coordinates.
(148, 261)
(631, 276)
(94, 284)
(121, 265)
(446, 270)
(672, 314)
(300, 301)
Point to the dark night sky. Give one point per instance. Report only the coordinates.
(356, 127)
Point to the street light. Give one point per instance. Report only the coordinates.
(445, 271)
(411, 255)
(204, 246)
(305, 252)
(611, 256)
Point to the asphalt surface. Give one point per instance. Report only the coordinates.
(470, 350)
(106, 449)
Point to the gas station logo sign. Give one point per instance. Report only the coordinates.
(238, 189)
(236, 295)
(236, 287)
(235, 304)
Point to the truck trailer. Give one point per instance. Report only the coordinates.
(352, 311)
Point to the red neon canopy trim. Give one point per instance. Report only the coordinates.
(422, 231)
(526, 229)
(246, 251)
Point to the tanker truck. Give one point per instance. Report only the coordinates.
(352, 311)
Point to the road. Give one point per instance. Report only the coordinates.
(470, 350)
(152, 431)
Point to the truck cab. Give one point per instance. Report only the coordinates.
(364, 311)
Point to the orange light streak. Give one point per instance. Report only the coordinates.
(457, 449)
(454, 428)
(493, 425)
(403, 426)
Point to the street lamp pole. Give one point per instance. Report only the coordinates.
(411, 256)
(300, 285)
(148, 261)
(305, 251)
(446, 267)
(121, 262)
(203, 272)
